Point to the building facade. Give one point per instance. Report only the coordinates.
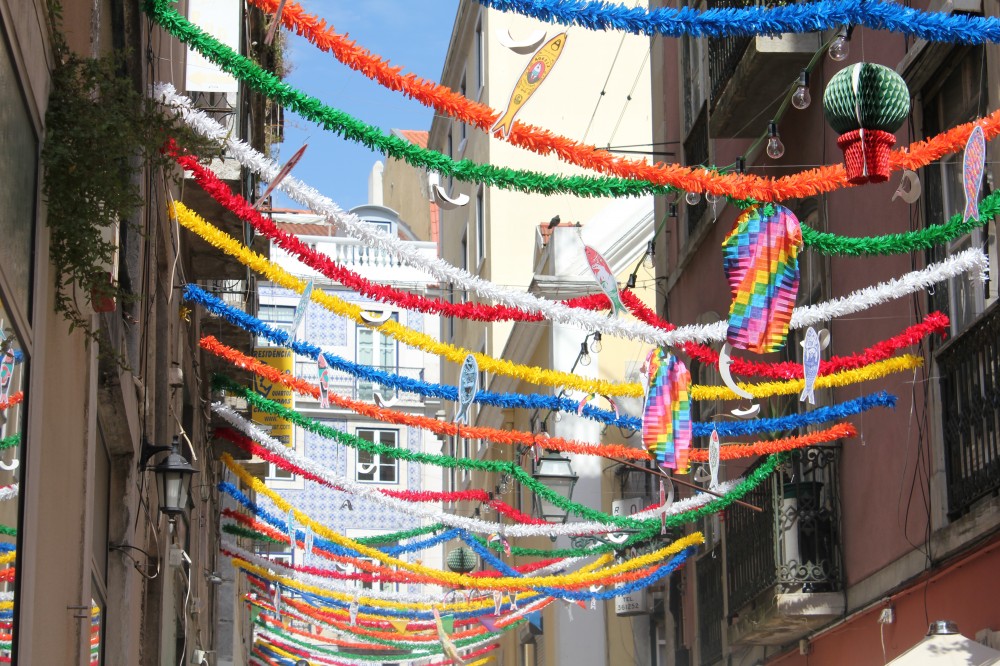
(99, 575)
(865, 541)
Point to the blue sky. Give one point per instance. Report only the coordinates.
(411, 34)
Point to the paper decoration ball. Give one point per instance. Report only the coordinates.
(867, 96)
(462, 560)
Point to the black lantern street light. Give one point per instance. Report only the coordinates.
(173, 481)
(555, 472)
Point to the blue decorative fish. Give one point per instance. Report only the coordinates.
(974, 163)
(810, 364)
(468, 385)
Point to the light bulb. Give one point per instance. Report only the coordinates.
(647, 260)
(841, 46)
(711, 198)
(584, 354)
(596, 345)
(801, 97)
(558, 417)
(692, 198)
(775, 149)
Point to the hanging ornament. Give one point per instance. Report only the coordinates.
(325, 383)
(605, 278)
(449, 648)
(666, 418)
(760, 258)
(461, 560)
(300, 309)
(811, 348)
(911, 193)
(503, 543)
(714, 451)
(865, 104)
(352, 611)
(535, 72)
(973, 165)
(468, 384)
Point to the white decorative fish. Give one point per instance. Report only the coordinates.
(6, 367)
(468, 385)
(810, 364)
(353, 612)
(324, 381)
(714, 451)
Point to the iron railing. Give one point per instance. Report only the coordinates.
(710, 609)
(750, 547)
(969, 366)
(725, 53)
(794, 544)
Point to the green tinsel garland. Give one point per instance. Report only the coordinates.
(353, 129)
(497, 466)
(907, 241)
(8, 530)
(10, 441)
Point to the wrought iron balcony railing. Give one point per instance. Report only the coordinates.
(969, 368)
(790, 550)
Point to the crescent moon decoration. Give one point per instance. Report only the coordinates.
(442, 199)
(725, 360)
(520, 47)
(382, 402)
(912, 193)
(666, 499)
(376, 317)
(10, 467)
(748, 413)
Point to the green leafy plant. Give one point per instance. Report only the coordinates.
(101, 135)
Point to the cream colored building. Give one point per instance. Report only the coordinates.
(599, 93)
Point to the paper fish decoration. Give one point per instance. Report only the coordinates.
(277, 598)
(538, 68)
(352, 612)
(497, 602)
(324, 381)
(666, 417)
(605, 278)
(714, 451)
(468, 385)
(810, 364)
(488, 622)
(300, 309)
(309, 542)
(291, 527)
(450, 650)
(974, 162)
(760, 257)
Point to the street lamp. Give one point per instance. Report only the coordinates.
(557, 474)
(173, 481)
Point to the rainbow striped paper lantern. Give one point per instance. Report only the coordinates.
(666, 418)
(761, 259)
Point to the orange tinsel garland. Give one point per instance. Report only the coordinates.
(737, 186)
(732, 451)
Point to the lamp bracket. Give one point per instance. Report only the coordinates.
(148, 451)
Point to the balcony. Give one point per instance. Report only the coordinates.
(349, 386)
(747, 74)
(370, 262)
(783, 565)
(969, 366)
(238, 294)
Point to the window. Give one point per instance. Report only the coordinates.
(284, 478)
(480, 55)
(465, 261)
(276, 316)
(463, 129)
(480, 227)
(373, 467)
(369, 585)
(955, 96)
(378, 350)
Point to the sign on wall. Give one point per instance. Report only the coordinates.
(633, 603)
(284, 361)
(221, 19)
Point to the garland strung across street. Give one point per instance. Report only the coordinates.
(764, 20)
(268, 170)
